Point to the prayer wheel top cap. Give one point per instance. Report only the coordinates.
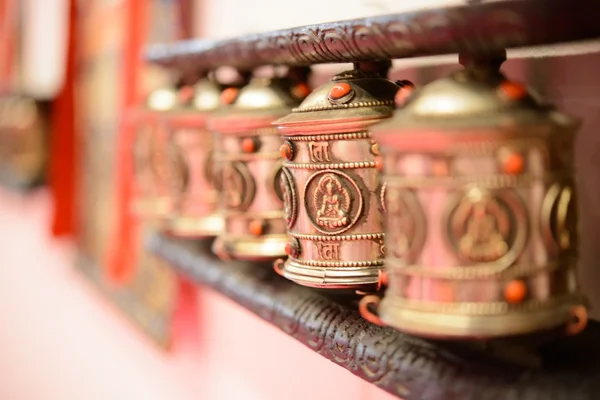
(353, 96)
(254, 106)
(206, 95)
(478, 96)
(162, 99)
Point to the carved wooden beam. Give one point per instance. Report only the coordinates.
(483, 27)
(411, 368)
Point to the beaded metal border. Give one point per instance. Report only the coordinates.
(333, 166)
(388, 103)
(339, 238)
(333, 136)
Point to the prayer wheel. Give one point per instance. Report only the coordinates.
(248, 167)
(481, 225)
(331, 185)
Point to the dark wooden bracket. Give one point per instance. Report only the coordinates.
(411, 368)
(482, 27)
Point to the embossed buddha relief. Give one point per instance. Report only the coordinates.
(332, 202)
(480, 228)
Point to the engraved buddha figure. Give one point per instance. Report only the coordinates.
(332, 202)
(232, 186)
(484, 236)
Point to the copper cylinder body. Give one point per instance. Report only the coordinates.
(331, 185)
(194, 195)
(481, 224)
(248, 165)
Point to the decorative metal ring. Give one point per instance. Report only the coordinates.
(366, 313)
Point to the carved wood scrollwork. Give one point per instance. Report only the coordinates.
(408, 367)
(484, 27)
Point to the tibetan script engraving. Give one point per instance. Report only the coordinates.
(328, 251)
(319, 151)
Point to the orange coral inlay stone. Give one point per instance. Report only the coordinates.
(288, 249)
(256, 228)
(229, 95)
(301, 90)
(286, 151)
(515, 291)
(248, 145)
(186, 93)
(440, 168)
(513, 163)
(513, 90)
(339, 90)
(379, 164)
(402, 94)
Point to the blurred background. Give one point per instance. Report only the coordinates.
(71, 71)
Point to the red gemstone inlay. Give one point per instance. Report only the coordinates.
(379, 163)
(288, 249)
(248, 145)
(513, 163)
(256, 228)
(186, 93)
(402, 94)
(286, 151)
(515, 291)
(513, 90)
(339, 90)
(229, 95)
(301, 90)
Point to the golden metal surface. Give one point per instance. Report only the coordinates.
(481, 224)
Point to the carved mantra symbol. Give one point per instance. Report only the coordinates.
(328, 251)
(332, 202)
(481, 227)
(319, 151)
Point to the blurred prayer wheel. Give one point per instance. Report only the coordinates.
(194, 196)
(151, 150)
(331, 185)
(248, 166)
(481, 223)
(23, 140)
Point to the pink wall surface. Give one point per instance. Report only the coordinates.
(60, 340)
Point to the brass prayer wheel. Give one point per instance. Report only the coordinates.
(151, 151)
(23, 140)
(481, 224)
(248, 166)
(331, 185)
(194, 195)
